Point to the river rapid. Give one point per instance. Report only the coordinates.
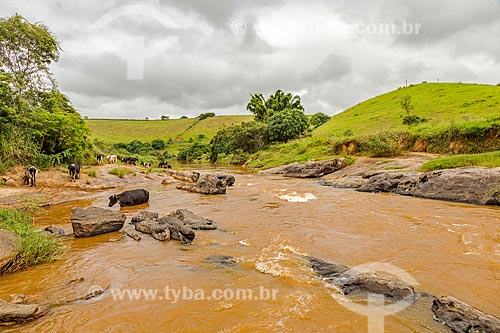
(268, 224)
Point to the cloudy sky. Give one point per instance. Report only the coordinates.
(136, 59)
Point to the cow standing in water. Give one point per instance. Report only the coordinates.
(129, 198)
(30, 175)
(74, 171)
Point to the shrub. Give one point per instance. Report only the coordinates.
(287, 125)
(158, 144)
(196, 151)
(319, 119)
(239, 140)
(91, 173)
(413, 120)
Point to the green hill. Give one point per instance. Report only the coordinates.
(461, 119)
(115, 131)
(440, 103)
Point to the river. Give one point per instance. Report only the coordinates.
(449, 249)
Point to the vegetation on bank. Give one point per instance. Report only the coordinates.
(490, 160)
(36, 247)
(38, 123)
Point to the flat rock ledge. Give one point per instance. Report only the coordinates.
(91, 221)
(456, 315)
(10, 244)
(475, 185)
(308, 170)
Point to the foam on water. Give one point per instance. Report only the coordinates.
(295, 197)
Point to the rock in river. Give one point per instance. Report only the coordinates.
(92, 221)
(463, 318)
(19, 313)
(10, 244)
(206, 184)
(308, 170)
(473, 185)
(193, 221)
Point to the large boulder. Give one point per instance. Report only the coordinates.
(193, 221)
(472, 185)
(185, 176)
(463, 318)
(92, 221)
(169, 227)
(10, 245)
(308, 170)
(206, 184)
(19, 313)
(351, 281)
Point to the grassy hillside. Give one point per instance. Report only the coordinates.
(115, 131)
(461, 119)
(440, 103)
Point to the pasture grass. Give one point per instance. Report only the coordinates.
(490, 160)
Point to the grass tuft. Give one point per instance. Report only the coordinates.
(122, 172)
(36, 247)
(490, 160)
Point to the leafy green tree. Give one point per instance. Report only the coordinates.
(206, 115)
(319, 119)
(287, 125)
(184, 117)
(246, 138)
(263, 109)
(197, 151)
(26, 51)
(163, 117)
(406, 104)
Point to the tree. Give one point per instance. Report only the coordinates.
(26, 51)
(206, 115)
(287, 125)
(319, 119)
(158, 144)
(184, 117)
(406, 104)
(263, 109)
(163, 117)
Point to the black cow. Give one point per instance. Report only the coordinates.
(74, 171)
(30, 175)
(129, 198)
(100, 159)
(130, 160)
(164, 165)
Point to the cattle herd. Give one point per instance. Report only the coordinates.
(31, 172)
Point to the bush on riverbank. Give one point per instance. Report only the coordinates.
(36, 247)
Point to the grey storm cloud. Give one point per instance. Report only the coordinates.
(194, 56)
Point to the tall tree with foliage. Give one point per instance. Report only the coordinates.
(26, 51)
(263, 109)
(38, 123)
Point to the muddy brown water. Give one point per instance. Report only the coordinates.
(449, 248)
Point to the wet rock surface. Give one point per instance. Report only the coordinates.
(178, 225)
(193, 221)
(463, 318)
(471, 185)
(308, 170)
(19, 313)
(206, 184)
(457, 316)
(91, 221)
(222, 260)
(352, 282)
